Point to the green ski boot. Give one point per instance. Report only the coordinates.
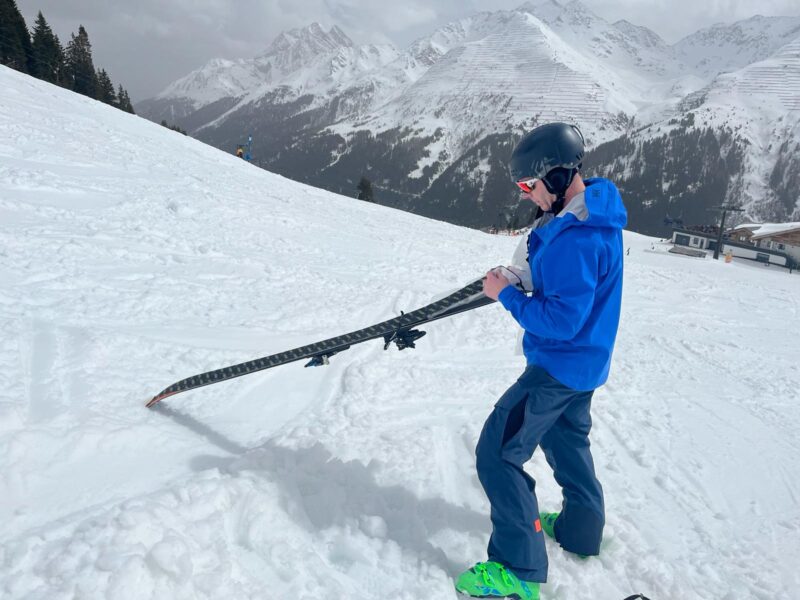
(548, 522)
(493, 580)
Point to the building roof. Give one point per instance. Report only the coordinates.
(769, 229)
(711, 235)
(762, 230)
(730, 242)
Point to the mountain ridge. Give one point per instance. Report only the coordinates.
(450, 93)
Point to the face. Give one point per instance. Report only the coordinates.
(534, 190)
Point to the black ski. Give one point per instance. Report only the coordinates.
(396, 331)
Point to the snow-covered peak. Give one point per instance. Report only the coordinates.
(564, 15)
(325, 73)
(646, 37)
(727, 47)
(308, 41)
(544, 9)
(297, 49)
(622, 46)
(296, 57)
(218, 78)
(428, 49)
(516, 69)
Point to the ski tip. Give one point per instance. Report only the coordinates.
(156, 399)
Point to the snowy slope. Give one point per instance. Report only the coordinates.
(499, 70)
(131, 256)
(622, 45)
(771, 86)
(728, 47)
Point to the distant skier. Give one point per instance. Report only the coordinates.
(240, 152)
(570, 323)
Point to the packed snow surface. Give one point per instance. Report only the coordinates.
(132, 256)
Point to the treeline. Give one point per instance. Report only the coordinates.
(39, 53)
(680, 175)
(173, 127)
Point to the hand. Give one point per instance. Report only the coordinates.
(493, 284)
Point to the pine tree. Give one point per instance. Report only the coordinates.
(80, 68)
(365, 190)
(48, 55)
(15, 40)
(173, 127)
(105, 89)
(124, 101)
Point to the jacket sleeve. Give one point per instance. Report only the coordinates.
(561, 307)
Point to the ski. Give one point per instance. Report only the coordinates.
(398, 331)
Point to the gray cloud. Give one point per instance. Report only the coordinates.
(147, 44)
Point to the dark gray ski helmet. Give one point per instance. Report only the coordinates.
(552, 153)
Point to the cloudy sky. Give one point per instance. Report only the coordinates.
(146, 44)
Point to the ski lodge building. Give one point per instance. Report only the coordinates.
(770, 243)
(784, 237)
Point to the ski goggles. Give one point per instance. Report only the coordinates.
(527, 185)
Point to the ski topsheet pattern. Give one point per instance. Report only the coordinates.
(396, 331)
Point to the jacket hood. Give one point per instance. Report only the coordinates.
(604, 204)
(599, 206)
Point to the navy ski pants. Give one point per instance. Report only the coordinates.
(536, 411)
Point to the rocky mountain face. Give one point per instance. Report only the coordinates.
(711, 119)
(735, 141)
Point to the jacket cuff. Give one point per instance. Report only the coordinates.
(507, 295)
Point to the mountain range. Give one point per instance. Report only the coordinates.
(682, 127)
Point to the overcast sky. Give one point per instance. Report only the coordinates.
(146, 44)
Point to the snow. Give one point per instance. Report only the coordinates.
(729, 47)
(217, 79)
(769, 229)
(132, 256)
(548, 61)
(758, 102)
(502, 69)
(303, 60)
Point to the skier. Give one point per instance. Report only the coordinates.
(570, 323)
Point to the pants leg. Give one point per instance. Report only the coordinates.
(520, 419)
(579, 527)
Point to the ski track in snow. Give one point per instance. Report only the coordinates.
(131, 257)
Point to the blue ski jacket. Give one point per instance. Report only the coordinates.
(571, 319)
